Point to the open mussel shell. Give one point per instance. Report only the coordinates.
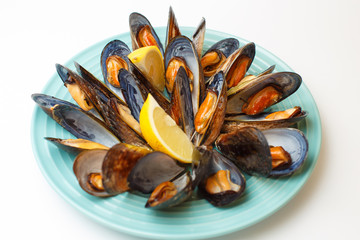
(47, 102)
(216, 87)
(227, 46)
(248, 149)
(294, 142)
(118, 50)
(237, 64)
(87, 168)
(137, 23)
(146, 87)
(181, 102)
(259, 121)
(151, 170)
(199, 36)
(131, 92)
(117, 165)
(75, 146)
(181, 190)
(216, 55)
(217, 189)
(172, 29)
(84, 125)
(182, 48)
(286, 83)
(108, 104)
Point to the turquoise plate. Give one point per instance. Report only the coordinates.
(195, 218)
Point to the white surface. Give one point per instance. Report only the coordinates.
(318, 39)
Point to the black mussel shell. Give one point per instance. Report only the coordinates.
(83, 125)
(46, 102)
(183, 186)
(219, 162)
(118, 163)
(87, 163)
(151, 170)
(248, 149)
(294, 142)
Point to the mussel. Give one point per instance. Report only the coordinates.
(117, 165)
(112, 59)
(172, 29)
(181, 52)
(237, 64)
(223, 182)
(142, 33)
(171, 193)
(210, 117)
(153, 169)
(181, 102)
(273, 152)
(216, 55)
(83, 125)
(265, 120)
(257, 95)
(87, 168)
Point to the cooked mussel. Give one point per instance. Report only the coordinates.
(211, 114)
(216, 55)
(294, 142)
(118, 162)
(142, 33)
(265, 120)
(87, 168)
(223, 182)
(237, 64)
(153, 169)
(112, 59)
(181, 52)
(171, 193)
(71, 82)
(272, 152)
(114, 111)
(255, 96)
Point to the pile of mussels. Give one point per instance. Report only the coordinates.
(209, 95)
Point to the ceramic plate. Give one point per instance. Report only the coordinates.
(195, 218)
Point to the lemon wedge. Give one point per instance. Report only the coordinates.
(163, 134)
(150, 62)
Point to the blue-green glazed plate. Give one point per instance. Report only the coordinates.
(195, 218)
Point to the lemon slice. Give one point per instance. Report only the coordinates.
(162, 133)
(150, 62)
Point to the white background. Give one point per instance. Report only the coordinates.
(318, 39)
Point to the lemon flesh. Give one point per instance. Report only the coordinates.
(150, 62)
(163, 134)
